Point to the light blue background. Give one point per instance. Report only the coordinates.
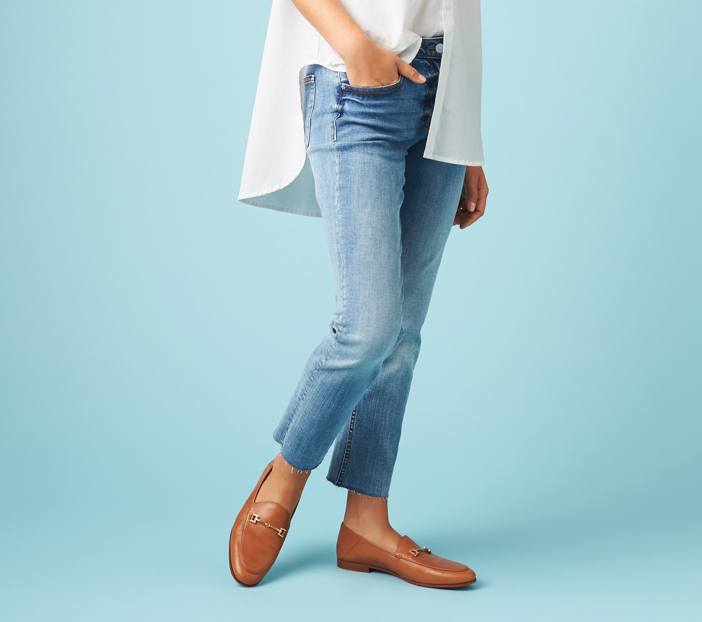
(152, 330)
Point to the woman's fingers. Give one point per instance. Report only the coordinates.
(405, 69)
(472, 189)
(462, 205)
(474, 200)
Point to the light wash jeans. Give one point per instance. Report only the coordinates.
(387, 213)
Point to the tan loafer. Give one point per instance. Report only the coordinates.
(257, 536)
(410, 562)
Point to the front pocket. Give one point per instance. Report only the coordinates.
(373, 90)
(308, 96)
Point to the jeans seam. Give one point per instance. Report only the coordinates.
(338, 242)
(347, 448)
(309, 110)
(337, 114)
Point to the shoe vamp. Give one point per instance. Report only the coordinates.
(260, 544)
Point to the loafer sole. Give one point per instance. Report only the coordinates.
(360, 567)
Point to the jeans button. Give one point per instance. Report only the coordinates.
(439, 47)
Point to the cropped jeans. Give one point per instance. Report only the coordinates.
(387, 212)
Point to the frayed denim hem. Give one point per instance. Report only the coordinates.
(354, 490)
(292, 467)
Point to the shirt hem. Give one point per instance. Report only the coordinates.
(280, 207)
(460, 161)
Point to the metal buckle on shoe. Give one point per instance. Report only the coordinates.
(417, 551)
(281, 531)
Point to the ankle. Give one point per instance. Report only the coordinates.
(287, 475)
(284, 485)
(368, 517)
(366, 525)
(379, 533)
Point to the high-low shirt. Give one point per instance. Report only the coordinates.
(276, 171)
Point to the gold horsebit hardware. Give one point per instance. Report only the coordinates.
(417, 551)
(281, 531)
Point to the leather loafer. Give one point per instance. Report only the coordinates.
(410, 562)
(257, 536)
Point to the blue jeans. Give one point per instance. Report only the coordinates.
(387, 213)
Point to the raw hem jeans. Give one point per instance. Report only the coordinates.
(387, 212)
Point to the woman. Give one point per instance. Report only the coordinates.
(387, 150)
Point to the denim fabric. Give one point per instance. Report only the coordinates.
(387, 212)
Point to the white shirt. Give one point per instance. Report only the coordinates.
(276, 171)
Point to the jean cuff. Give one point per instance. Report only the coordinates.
(356, 490)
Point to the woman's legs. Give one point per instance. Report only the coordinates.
(366, 447)
(357, 145)
(359, 187)
(387, 212)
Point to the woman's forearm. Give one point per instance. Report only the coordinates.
(366, 63)
(333, 22)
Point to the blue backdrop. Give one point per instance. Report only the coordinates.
(152, 329)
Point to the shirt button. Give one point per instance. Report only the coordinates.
(439, 47)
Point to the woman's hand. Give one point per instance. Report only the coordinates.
(473, 197)
(368, 64)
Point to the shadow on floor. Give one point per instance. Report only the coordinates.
(315, 555)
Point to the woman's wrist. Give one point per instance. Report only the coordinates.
(335, 24)
(351, 44)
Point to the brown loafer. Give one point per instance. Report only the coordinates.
(257, 536)
(410, 562)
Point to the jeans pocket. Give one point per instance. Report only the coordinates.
(308, 97)
(371, 90)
